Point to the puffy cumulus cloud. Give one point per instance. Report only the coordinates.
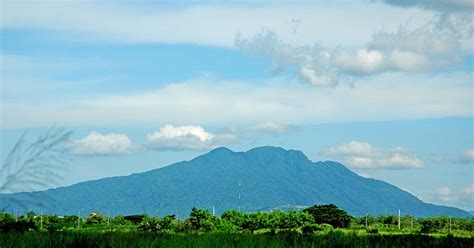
(271, 127)
(441, 43)
(438, 5)
(188, 137)
(364, 156)
(100, 144)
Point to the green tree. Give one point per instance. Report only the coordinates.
(9, 224)
(200, 219)
(329, 214)
(295, 219)
(96, 219)
(151, 224)
(255, 221)
(234, 217)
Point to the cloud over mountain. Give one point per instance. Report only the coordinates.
(187, 137)
(100, 144)
(364, 156)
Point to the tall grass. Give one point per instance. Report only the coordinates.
(31, 166)
(283, 239)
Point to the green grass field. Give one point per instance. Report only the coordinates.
(282, 239)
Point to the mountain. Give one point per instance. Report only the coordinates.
(269, 177)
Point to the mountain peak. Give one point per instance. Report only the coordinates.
(221, 150)
(267, 149)
(275, 152)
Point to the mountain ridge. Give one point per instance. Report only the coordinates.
(264, 177)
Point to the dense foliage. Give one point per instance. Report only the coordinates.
(313, 219)
(316, 226)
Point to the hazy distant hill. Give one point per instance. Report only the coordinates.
(268, 177)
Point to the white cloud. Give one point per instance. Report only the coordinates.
(310, 75)
(438, 44)
(186, 137)
(351, 148)
(210, 102)
(469, 190)
(445, 194)
(100, 144)
(364, 156)
(363, 61)
(454, 197)
(207, 24)
(271, 127)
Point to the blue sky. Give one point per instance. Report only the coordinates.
(384, 87)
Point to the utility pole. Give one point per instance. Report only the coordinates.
(240, 183)
(41, 221)
(16, 215)
(449, 224)
(399, 219)
(78, 219)
(366, 222)
(213, 210)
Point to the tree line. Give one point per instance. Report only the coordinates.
(313, 219)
